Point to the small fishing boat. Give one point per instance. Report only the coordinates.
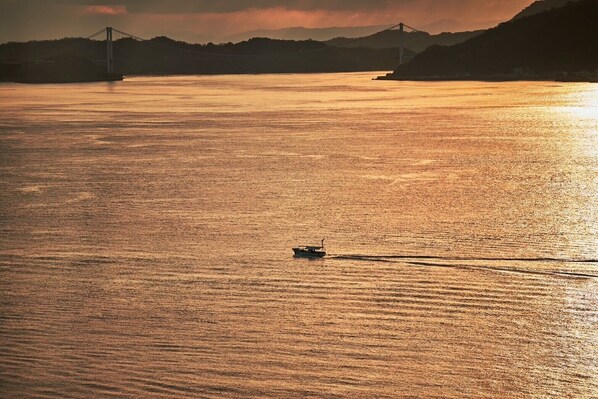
(309, 251)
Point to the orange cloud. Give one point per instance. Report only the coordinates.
(105, 10)
(271, 18)
(467, 14)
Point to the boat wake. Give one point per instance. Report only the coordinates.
(462, 263)
(462, 258)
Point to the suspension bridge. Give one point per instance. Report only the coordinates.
(110, 31)
(83, 58)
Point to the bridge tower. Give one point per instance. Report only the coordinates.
(401, 42)
(109, 53)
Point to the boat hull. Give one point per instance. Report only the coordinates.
(309, 253)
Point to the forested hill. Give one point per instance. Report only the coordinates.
(162, 55)
(540, 6)
(559, 40)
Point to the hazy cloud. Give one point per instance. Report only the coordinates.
(227, 6)
(35, 19)
(106, 10)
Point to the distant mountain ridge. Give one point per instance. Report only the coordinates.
(415, 41)
(301, 33)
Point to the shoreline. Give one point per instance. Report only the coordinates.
(570, 78)
(67, 81)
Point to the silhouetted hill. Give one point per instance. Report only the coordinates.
(540, 6)
(64, 69)
(414, 41)
(560, 40)
(162, 55)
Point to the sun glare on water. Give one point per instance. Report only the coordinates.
(584, 103)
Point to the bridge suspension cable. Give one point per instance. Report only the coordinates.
(223, 54)
(401, 27)
(201, 52)
(96, 34)
(80, 43)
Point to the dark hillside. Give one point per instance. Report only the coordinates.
(540, 6)
(560, 40)
(162, 55)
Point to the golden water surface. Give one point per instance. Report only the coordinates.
(146, 229)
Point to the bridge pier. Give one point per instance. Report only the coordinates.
(401, 42)
(109, 53)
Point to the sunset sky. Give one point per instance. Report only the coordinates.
(215, 20)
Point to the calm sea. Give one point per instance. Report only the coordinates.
(146, 229)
